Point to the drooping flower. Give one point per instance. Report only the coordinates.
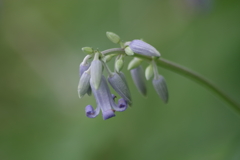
(139, 80)
(105, 101)
(143, 48)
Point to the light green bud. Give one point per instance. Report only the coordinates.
(149, 72)
(108, 58)
(134, 63)
(113, 37)
(128, 51)
(119, 65)
(96, 71)
(87, 50)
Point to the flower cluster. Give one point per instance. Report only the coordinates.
(93, 81)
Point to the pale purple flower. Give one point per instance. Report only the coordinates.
(143, 48)
(105, 101)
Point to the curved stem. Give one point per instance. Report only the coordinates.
(199, 79)
(188, 74)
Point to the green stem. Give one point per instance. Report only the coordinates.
(188, 74)
(199, 79)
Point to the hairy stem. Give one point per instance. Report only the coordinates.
(188, 74)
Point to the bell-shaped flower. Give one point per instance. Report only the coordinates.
(139, 80)
(160, 86)
(143, 48)
(119, 84)
(105, 101)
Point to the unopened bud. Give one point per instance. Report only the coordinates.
(143, 48)
(96, 71)
(139, 80)
(128, 51)
(149, 72)
(108, 58)
(120, 86)
(84, 84)
(160, 86)
(87, 50)
(113, 37)
(119, 65)
(134, 63)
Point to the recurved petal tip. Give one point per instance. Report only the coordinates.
(108, 114)
(160, 86)
(90, 112)
(143, 48)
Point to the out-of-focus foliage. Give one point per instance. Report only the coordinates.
(42, 118)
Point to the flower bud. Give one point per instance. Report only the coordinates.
(83, 68)
(134, 63)
(149, 72)
(128, 51)
(108, 58)
(87, 50)
(84, 84)
(113, 37)
(138, 79)
(120, 86)
(96, 71)
(119, 65)
(143, 48)
(160, 86)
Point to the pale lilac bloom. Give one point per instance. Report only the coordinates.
(105, 101)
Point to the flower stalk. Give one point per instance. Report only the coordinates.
(161, 62)
(140, 51)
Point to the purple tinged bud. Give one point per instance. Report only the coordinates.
(83, 68)
(160, 86)
(143, 48)
(139, 80)
(84, 84)
(120, 86)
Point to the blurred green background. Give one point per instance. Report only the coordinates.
(42, 118)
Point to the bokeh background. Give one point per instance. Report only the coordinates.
(42, 118)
